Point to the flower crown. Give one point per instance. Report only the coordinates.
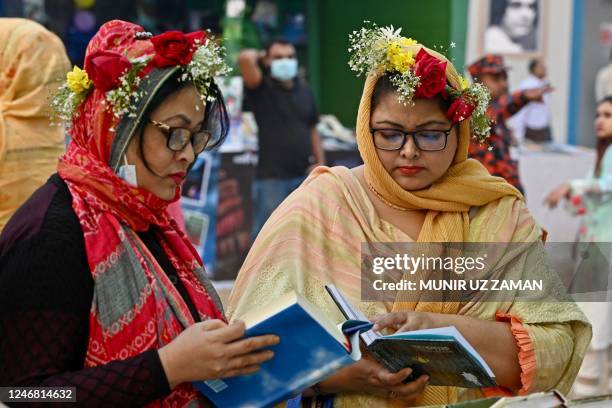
(376, 48)
(119, 77)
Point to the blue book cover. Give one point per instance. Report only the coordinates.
(311, 348)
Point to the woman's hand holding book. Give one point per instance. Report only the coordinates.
(369, 376)
(213, 349)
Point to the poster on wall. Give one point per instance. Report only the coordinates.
(234, 213)
(513, 27)
(199, 200)
(195, 187)
(231, 88)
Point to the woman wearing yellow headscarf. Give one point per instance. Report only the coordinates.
(33, 63)
(417, 185)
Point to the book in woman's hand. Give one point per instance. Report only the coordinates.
(441, 353)
(311, 348)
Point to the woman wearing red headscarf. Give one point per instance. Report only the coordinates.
(99, 288)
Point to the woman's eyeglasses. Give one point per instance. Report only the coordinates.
(178, 138)
(425, 140)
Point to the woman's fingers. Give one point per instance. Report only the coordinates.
(249, 344)
(389, 379)
(411, 390)
(242, 371)
(389, 320)
(229, 333)
(214, 324)
(250, 359)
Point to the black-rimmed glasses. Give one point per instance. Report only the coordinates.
(178, 137)
(425, 139)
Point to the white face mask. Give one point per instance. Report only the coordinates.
(284, 69)
(128, 173)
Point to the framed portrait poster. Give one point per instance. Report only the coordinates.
(513, 27)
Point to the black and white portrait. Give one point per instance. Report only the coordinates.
(513, 27)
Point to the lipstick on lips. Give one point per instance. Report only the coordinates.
(178, 178)
(411, 170)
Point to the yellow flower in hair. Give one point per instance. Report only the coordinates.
(407, 42)
(78, 81)
(463, 83)
(398, 57)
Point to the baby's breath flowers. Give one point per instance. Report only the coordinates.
(124, 99)
(207, 62)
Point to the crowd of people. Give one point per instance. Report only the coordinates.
(100, 288)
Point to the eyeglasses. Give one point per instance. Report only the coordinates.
(178, 138)
(425, 140)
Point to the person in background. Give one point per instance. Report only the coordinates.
(591, 198)
(603, 81)
(286, 115)
(492, 72)
(513, 26)
(29, 144)
(533, 121)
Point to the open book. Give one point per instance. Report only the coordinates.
(442, 353)
(311, 348)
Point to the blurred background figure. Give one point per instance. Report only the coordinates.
(286, 115)
(161, 15)
(534, 120)
(591, 198)
(513, 26)
(33, 63)
(495, 153)
(603, 81)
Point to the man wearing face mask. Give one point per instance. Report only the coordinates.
(286, 115)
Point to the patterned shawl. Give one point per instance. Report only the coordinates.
(135, 306)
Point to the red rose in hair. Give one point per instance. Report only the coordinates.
(175, 48)
(104, 68)
(432, 74)
(460, 110)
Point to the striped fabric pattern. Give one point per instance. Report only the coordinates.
(315, 238)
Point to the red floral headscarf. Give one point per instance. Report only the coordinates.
(135, 307)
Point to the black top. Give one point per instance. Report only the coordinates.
(284, 117)
(46, 291)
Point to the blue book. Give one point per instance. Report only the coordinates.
(311, 349)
